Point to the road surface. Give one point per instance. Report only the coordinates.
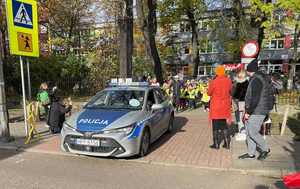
(41, 171)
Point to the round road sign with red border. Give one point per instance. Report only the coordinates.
(250, 49)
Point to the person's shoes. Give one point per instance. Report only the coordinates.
(227, 139)
(247, 156)
(214, 146)
(263, 155)
(226, 146)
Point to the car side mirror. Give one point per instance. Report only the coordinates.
(157, 107)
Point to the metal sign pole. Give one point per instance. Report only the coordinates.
(24, 95)
(28, 78)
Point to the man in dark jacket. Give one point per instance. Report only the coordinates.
(57, 113)
(259, 101)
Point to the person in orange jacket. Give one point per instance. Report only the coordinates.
(219, 90)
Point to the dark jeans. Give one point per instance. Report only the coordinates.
(55, 130)
(192, 103)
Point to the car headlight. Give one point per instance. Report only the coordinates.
(68, 126)
(126, 130)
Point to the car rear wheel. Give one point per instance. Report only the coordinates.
(171, 124)
(145, 143)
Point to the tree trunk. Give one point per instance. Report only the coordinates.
(195, 42)
(4, 127)
(149, 26)
(261, 30)
(3, 29)
(237, 13)
(260, 37)
(126, 40)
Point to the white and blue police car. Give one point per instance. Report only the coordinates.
(120, 121)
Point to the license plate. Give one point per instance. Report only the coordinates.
(87, 142)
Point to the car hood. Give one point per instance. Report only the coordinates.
(95, 120)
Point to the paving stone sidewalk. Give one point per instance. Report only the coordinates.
(188, 145)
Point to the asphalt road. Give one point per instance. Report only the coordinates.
(40, 171)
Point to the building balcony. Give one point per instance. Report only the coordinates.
(276, 54)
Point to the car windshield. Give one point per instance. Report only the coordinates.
(118, 99)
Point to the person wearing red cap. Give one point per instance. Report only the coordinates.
(219, 89)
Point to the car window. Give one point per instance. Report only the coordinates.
(118, 99)
(160, 98)
(150, 99)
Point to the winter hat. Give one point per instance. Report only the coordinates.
(220, 70)
(253, 66)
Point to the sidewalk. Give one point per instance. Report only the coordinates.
(187, 146)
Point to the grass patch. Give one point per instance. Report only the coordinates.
(276, 123)
(294, 125)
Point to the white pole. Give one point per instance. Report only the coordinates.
(24, 95)
(28, 78)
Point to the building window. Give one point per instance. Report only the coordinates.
(187, 50)
(208, 46)
(204, 25)
(280, 44)
(184, 27)
(275, 44)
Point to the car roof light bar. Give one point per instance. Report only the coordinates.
(119, 82)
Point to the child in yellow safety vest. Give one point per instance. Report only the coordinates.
(183, 98)
(205, 99)
(192, 93)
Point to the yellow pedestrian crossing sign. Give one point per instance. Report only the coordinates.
(23, 27)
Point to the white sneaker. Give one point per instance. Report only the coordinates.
(240, 137)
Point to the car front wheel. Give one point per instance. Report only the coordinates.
(145, 143)
(171, 124)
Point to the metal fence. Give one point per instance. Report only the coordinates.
(288, 97)
(67, 87)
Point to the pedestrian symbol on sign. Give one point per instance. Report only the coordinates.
(25, 42)
(22, 14)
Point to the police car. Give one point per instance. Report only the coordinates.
(120, 121)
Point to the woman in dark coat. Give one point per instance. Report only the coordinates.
(57, 113)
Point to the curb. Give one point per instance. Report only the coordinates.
(16, 148)
(265, 173)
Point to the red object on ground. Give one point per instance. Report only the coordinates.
(292, 181)
(219, 90)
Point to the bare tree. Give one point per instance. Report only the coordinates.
(125, 22)
(66, 19)
(146, 10)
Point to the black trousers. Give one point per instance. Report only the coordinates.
(219, 124)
